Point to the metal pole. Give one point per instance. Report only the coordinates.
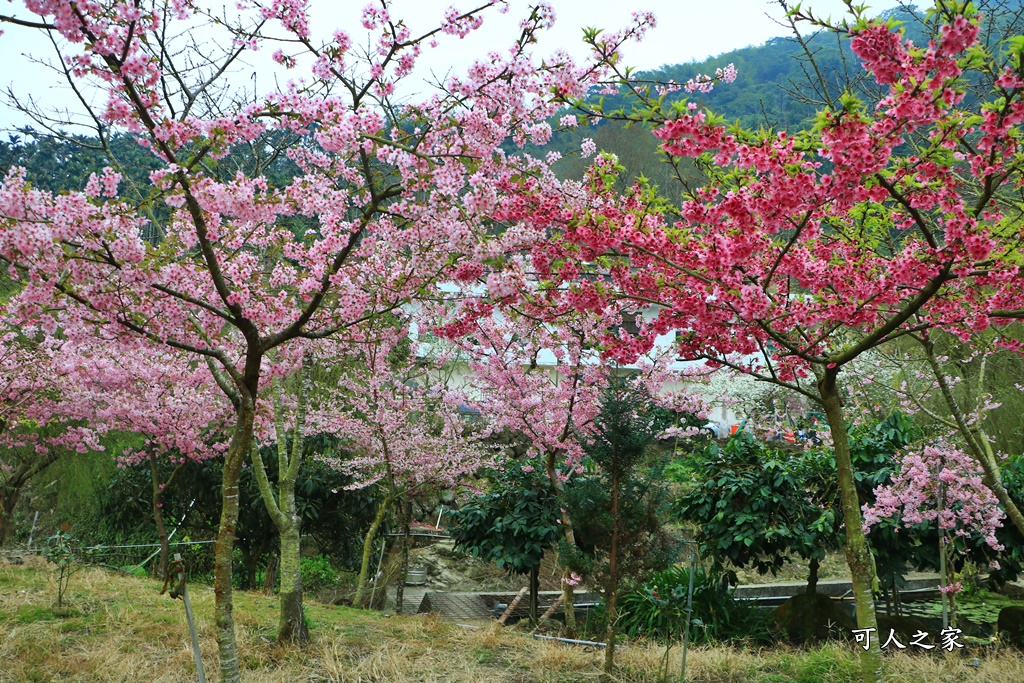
(689, 613)
(196, 653)
(376, 576)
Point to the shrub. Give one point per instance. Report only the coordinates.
(59, 552)
(318, 572)
(658, 610)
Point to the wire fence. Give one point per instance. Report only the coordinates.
(134, 558)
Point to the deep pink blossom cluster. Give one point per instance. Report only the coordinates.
(775, 255)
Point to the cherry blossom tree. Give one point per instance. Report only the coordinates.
(282, 510)
(964, 508)
(929, 383)
(541, 381)
(967, 418)
(40, 416)
(943, 485)
(804, 251)
(228, 266)
(153, 393)
(63, 396)
(545, 381)
(395, 409)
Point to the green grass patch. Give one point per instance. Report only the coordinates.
(30, 614)
(825, 666)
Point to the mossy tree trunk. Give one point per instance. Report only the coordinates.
(364, 565)
(158, 515)
(858, 553)
(570, 538)
(223, 590)
(291, 626)
(242, 389)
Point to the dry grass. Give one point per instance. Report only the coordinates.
(119, 628)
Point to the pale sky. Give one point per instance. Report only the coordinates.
(687, 30)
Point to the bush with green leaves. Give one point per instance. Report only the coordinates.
(760, 506)
(512, 525)
(657, 609)
(318, 572)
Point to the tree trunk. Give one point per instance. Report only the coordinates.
(611, 599)
(403, 571)
(568, 601)
(158, 518)
(364, 567)
(858, 553)
(158, 515)
(812, 578)
(8, 500)
(227, 647)
(291, 625)
(251, 560)
(570, 539)
(270, 577)
(292, 621)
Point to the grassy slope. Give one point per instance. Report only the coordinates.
(121, 629)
